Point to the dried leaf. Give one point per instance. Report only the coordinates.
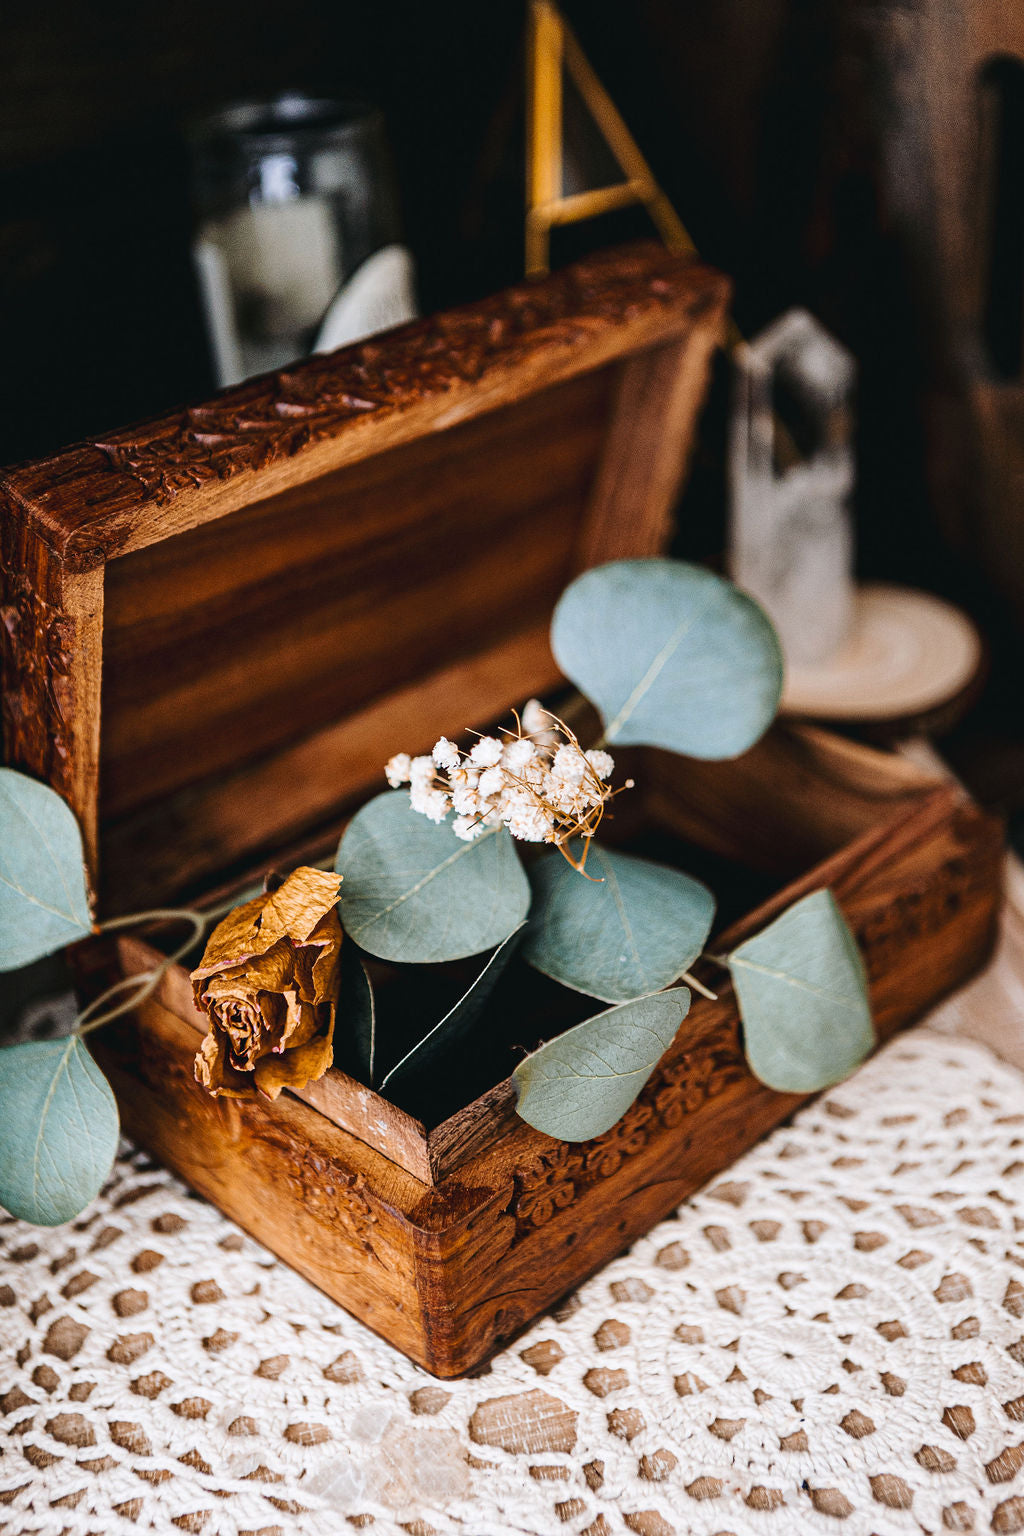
(292, 911)
(299, 1065)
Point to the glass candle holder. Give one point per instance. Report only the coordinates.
(297, 247)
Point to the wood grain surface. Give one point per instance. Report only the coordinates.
(208, 617)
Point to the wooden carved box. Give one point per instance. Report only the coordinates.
(217, 626)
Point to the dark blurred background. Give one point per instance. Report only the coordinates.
(864, 158)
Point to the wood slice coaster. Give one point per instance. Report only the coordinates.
(909, 655)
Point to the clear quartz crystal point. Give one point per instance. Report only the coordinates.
(791, 477)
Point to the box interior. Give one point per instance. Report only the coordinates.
(713, 820)
(230, 644)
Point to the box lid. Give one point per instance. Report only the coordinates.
(216, 625)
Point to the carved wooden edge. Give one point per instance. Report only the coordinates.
(51, 635)
(479, 1127)
(573, 1206)
(99, 499)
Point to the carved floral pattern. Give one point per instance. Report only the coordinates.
(317, 1181)
(548, 1185)
(342, 1198)
(35, 659)
(214, 442)
(278, 415)
(924, 909)
(554, 1179)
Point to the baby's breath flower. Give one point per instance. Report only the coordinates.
(539, 783)
(396, 769)
(446, 754)
(421, 770)
(429, 802)
(486, 752)
(531, 824)
(518, 754)
(466, 799)
(467, 827)
(492, 782)
(567, 798)
(569, 764)
(602, 763)
(539, 723)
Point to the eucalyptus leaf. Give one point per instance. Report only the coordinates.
(413, 892)
(355, 1032)
(44, 903)
(458, 1021)
(672, 656)
(58, 1132)
(803, 998)
(629, 930)
(579, 1084)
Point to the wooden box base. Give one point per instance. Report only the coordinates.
(448, 1240)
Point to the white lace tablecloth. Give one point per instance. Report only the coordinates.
(830, 1338)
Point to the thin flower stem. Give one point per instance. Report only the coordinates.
(145, 984)
(698, 986)
(140, 987)
(198, 920)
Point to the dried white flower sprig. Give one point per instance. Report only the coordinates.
(537, 781)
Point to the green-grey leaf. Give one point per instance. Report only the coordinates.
(458, 1021)
(672, 656)
(803, 998)
(355, 1032)
(44, 903)
(58, 1131)
(631, 929)
(579, 1084)
(413, 892)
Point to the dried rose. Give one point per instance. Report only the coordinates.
(268, 983)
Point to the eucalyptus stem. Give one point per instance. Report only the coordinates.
(145, 984)
(698, 986)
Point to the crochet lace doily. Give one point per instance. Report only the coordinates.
(826, 1339)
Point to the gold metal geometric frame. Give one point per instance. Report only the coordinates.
(551, 47)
